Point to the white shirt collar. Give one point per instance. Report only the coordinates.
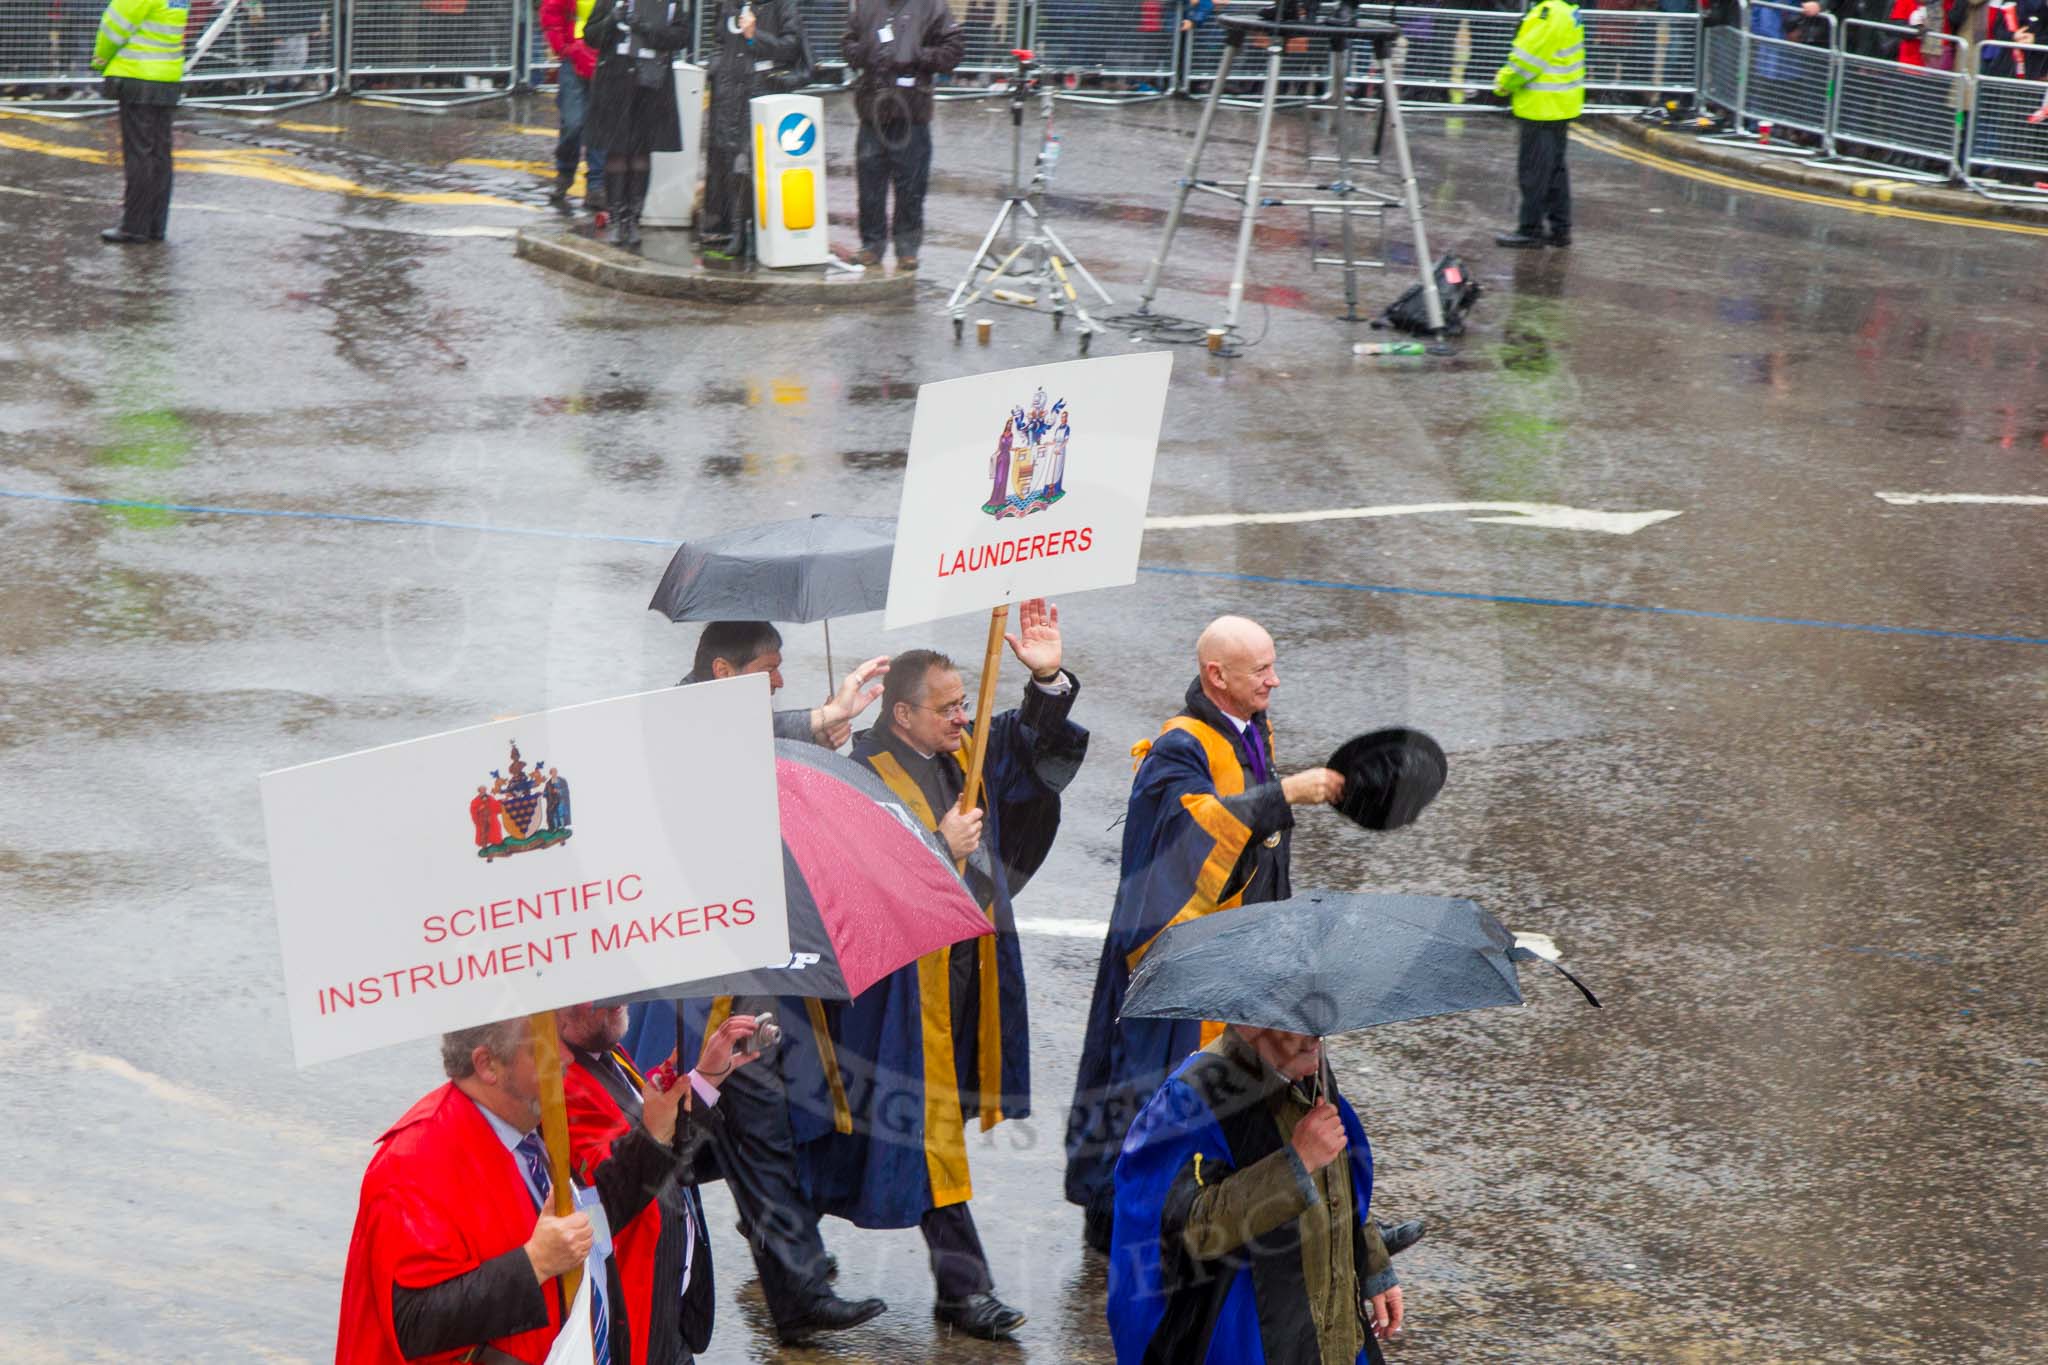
(507, 1134)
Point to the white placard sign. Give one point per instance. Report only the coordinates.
(1026, 483)
(565, 856)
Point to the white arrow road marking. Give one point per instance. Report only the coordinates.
(2003, 499)
(1544, 514)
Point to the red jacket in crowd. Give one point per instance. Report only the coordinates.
(558, 21)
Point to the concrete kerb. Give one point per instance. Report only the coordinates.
(607, 266)
(1845, 184)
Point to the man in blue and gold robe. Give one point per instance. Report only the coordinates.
(1208, 827)
(945, 1037)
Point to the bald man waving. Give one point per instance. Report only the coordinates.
(1207, 829)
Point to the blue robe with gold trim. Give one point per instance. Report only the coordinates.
(946, 1038)
(1195, 841)
(1247, 1307)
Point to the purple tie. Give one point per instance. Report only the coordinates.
(1255, 745)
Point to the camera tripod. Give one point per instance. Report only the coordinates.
(1038, 266)
(1346, 198)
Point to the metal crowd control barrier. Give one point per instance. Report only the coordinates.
(993, 29)
(1125, 50)
(433, 54)
(46, 55)
(1452, 54)
(1884, 104)
(1646, 52)
(1780, 83)
(1724, 57)
(262, 57)
(2008, 122)
(1304, 75)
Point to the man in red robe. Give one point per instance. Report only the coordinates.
(483, 813)
(659, 1277)
(451, 1250)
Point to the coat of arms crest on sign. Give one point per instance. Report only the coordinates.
(520, 809)
(1028, 470)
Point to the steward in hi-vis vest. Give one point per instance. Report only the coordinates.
(141, 52)
(1545, 77)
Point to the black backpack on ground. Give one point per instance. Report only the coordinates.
(1456, 290)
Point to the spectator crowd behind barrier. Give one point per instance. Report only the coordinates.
(1832, 81)
(1903, 97)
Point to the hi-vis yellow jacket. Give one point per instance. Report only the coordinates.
(1546, 72)
(143, 40)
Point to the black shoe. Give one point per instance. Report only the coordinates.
(831, 1266)
(632, 221)
(829, 1314)
(979, 1315)
(1095, 1230)
(1519, 241)
(1399, 1237)
(1559, 239)
(617, 233)
(123, 237)
(559, 195)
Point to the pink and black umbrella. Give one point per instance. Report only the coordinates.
(869, 888)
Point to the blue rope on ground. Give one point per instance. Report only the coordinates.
(1508, 599)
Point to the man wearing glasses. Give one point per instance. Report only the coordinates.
(945, 1039)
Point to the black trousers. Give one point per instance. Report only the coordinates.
(146, 157)
(728, 198)
(757, 1153)
(959, 1265)
(897, 155)
(1546, 184)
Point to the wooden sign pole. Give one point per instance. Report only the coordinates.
(991, 664)
(554, 1130)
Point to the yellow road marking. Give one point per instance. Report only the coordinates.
(253, 164)
(1880, 189)
(544, 169)
(312, 127)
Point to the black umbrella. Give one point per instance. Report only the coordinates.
(1329, 962)
(809, 569)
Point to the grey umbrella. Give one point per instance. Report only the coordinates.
(1328, 962)
(808, 569)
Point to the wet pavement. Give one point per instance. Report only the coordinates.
(1768, 770)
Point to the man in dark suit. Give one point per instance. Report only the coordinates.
(664, 1244)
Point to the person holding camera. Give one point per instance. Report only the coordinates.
(897, 46)
(633, 98)
(768, 1110)
(664, 1243)
(761, 51)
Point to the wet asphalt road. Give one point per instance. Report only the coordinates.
(1798, 861)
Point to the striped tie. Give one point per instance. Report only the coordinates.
(533, 1152)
